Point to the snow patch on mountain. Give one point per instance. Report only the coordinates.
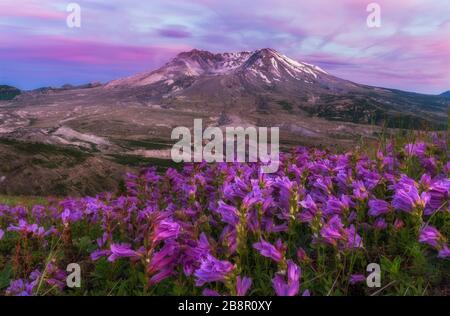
(266, 64)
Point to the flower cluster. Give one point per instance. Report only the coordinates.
(224, 229)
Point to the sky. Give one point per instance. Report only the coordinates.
(409, 51)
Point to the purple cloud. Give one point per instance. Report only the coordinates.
(410, 51)
(174, 32)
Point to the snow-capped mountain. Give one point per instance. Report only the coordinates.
(271, 66)
(267, 64)
(259, 87)
(190, 64)
(267, 81)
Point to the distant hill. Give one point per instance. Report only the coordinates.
(8, 92)
(445, 94)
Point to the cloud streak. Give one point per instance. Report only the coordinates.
(410, 51)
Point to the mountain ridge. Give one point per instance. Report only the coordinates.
(258, 87)
(200, 62)
(268, 77)
(446, 94)
(8, 92)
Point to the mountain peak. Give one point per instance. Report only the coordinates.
(266, 50)
(195, 52)
(265, 65)
(272, 67)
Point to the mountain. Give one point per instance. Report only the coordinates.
(259, 88)
(445, 94)
(265, 78)
(266, 65)
(8, 92)
(81, 139)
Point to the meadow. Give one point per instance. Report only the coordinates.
(312, 228)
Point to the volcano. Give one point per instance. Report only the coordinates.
(267, 81)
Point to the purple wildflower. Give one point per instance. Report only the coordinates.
(398, 224)
(285, 188)
(360, 191)
(193, 253)
(65, 216)
(209, 292)
(161, 275)
(380, 224)
(332, 231)
(337, 206)
(166, 229)
(309, 211)
(302, 256)
(33, 229)
(123, 251)
(353, 239)
(407, 198)
(292, 286)
(99, 253)
(211, 270)
(243, 285)
(19, 288)
(378, 207)
(228, 213)
(166, 257)
(439, 195)
(444, 252)
(268, 250)
(417, 149)
(357, 278)
(430, 236)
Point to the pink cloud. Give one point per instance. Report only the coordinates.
(174, 32)
(70, 50)
(30, 9)
(410, 50)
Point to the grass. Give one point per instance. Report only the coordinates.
(30, 148)
(28, 201)
(144, 143)
(138, 161)
(285, 105)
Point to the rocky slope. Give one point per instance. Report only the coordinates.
(266, 78)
